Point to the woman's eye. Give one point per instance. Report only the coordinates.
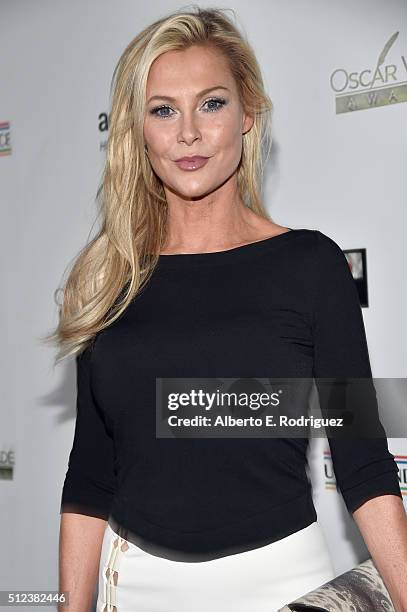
(219, 103)
(155, 111)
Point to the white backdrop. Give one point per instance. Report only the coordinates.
(341, 173)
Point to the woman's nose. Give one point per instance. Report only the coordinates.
(189, 130)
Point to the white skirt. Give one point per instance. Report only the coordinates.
(264, 579)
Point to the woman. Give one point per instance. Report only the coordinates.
(188, 277)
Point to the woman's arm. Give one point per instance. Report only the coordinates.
(80, 544)
(87, 494)
(365, 470)
(382, 522)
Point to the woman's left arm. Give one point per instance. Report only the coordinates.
(365, 470)
(382, 522)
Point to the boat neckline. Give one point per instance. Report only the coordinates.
(227, 255)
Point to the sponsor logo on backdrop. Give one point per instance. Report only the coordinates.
(6, 464)
(330, 481)
(381, 84)
(103, 127)
(402, 463)
(5, 138)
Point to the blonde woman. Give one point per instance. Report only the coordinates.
(188, 277)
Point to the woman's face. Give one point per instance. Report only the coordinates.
(196, 111)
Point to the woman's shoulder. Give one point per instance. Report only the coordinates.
(318, 254)
(328, 250)
(319, 241)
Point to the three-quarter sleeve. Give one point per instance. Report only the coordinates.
(90, 481)
(364, 468)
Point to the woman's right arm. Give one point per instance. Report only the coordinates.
(87, 495)
(80, 544)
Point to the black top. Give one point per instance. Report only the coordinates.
(285, 306)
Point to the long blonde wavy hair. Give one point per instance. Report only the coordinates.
(114, 266)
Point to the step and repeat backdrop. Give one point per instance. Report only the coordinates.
(337, 75)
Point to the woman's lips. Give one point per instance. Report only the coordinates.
(192, 163)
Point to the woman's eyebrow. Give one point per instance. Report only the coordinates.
(201, 93)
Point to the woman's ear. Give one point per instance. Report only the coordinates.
(247, 123)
